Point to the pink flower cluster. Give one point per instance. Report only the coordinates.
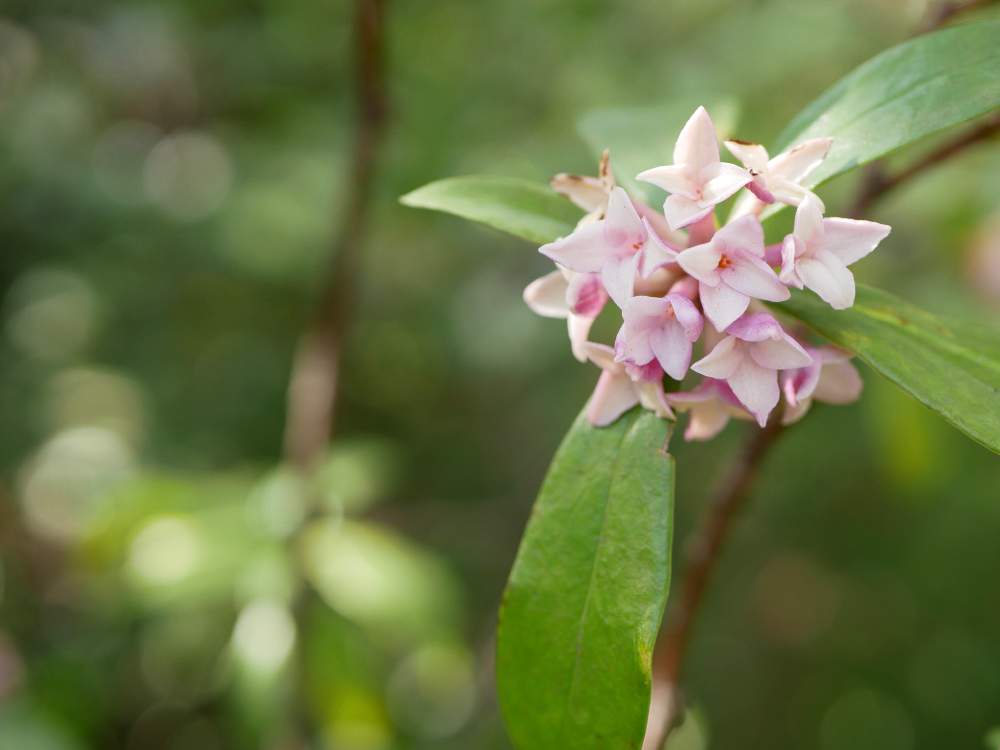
(666, 282)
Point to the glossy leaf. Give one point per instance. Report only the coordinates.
(952, 367)
(643, 137)
(587, 592)
(519, 207)
(911, 91)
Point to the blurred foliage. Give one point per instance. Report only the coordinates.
(168, 179)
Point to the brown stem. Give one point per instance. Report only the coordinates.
(314, 382)
(877, 184)
(701, 556)
(944, 12)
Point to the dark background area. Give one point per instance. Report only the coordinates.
(169, 181)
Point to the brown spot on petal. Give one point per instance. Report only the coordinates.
(743, 143)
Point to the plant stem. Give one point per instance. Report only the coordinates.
(314, 382)
(876, 184)
(702, 553)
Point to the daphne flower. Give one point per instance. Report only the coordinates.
(697, 180)
(819, 250)
(711, 404)
(830, 378)
(621, 387)
(577, 297)
(731, 269)
(778, 179)
(749, 359)
(612, 247)
(660, 329)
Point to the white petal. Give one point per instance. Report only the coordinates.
(786, 191)
(603, 356)
(586, 192)
(726, 179)
(656, 253)
(584, 250)
(851, 239)
(783, 354)
(809, 220)
(800, 160)
(826, 275)
(722, 304)
(546, 296)
(722, 361)
(744, 233)
(652, 397)
(793, 414)
(681, 211)
(672, 349)
(839, 383)
(613, 396)
(790, 248)
(579, 328)
(622, 227)
(701, 261)
(618, 277)
(751, 276)
(697, 144)
(756, 387)
(753, 155)
(675, 178)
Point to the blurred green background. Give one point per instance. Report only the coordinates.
(169, 174)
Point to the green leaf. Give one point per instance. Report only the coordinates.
(950, 366)
(643, 137)
(911, 91)
(519, 207)
(585, 598)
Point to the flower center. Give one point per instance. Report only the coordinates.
(724, 262)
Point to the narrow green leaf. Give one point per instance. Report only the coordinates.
(643, 137)
(908, 92)
(585, 598)
(522, 208)
(950, 366)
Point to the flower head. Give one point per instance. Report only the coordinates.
(660, 329)
(577, 297)
(711, 405)
(697, 180)
(817, 253)
(749, 359)
(621, 387)
(830, 378)
(778, 179)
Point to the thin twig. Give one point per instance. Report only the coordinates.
(313, 386)
(944, 12)
(877, 184)
(702, 554)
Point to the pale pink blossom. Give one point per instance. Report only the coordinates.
(779, 179)
(612, 247)
(818, 252)
(830, 378)
(621, 387)
(660, 329)
(697, 180)
(711, 404)
(577, 297)
(589, 193)
(731, 269)
(749, 359)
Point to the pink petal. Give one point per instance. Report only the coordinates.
(790, 248)
(706, 421)
(784, 353)
(639, 308)
(772, 254)
(725, 180)
(618, 277)
(757, 187)
(603, 356)
(546, 296)
(754, 327)
(799, 384)
(800, 160)
(623, 229)
(826, 274)
(839, 383)
(756, 387)
(687, 315)
(674, 179)
(585, 295)
(751, 276)
(701, 261)
(672, 349)
(584, 250)
(809, 220)
(681, 211)
(656, 253)
(753, 155)
(850, 239)
(793, 414)
(652, 397)
(722, 361)
(697, 144)
(613, 396)
(722, 304)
